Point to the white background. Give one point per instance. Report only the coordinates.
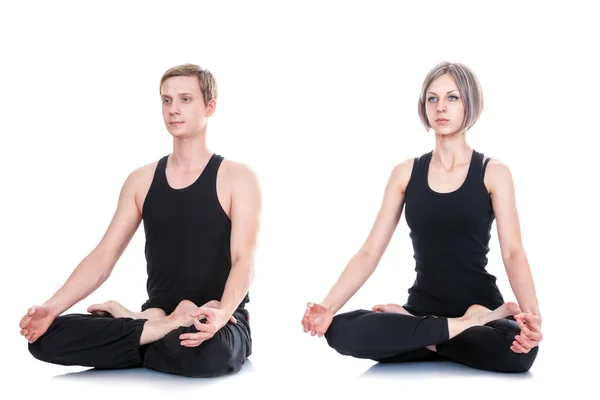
(319, 98)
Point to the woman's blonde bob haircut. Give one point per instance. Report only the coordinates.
(468, 87)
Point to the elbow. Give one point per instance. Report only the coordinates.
(513, 253)
(244, 262)
(368, 258)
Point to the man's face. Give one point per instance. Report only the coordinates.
(183, 108)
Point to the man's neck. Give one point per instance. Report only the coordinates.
(189, 153)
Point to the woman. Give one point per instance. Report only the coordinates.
(451, 195)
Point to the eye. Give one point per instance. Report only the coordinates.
(165, 101)
(431, 99)
(187, 99)
(452, 97)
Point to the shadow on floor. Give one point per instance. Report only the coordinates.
(434, 369)
(143, 375)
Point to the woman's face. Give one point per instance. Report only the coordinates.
(444, 106)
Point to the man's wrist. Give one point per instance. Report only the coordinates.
(53, 309)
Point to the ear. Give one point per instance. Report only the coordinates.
(211, 107)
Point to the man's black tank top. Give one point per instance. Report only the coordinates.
(450, 234)
(188, 235)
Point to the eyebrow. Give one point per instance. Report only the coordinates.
(453, 90)
(180, 94)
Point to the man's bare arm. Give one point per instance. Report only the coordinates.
(97, 266)
(246, 207)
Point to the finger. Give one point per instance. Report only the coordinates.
(304, 321)
(31, 310)
(192, 343)
(307, 312)
(526, 330)
(525, 342)
(195, 336)
(233, 319)
(205, 327)
(308, 327)
(519, 347)
(206, 311)
(513, 348)
(34, 337)
(24, 321)
(532, 331)
(530, 320)
(24, 332)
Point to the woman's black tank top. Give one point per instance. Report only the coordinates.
(450, 233)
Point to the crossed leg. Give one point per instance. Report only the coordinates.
(124, 342)
(481, 338)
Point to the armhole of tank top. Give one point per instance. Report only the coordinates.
(483, 169)
(485, 163)
(412, 174)
(219, 163)
(153, 183)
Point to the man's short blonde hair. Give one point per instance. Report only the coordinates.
(207, 81)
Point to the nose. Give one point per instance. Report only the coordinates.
(173, 109)
(441, 106)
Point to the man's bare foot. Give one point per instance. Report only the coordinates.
(111, 309)
(116, 310)
(182, 313)
(392, 308)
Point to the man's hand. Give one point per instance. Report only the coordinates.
(215, 320)
(531, 333)
(35, 323)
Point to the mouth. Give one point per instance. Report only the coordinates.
(175, 123)
(442, 120)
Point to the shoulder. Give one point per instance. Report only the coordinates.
(236, 170)
(239, 174)
(401, 173)
(142, 174)
(139, 180)
(498, 175)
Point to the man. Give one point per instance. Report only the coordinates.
(201, 218)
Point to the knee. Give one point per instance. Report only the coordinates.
(513, 362)
(43, 349)
(332, 335)
(212, 359)
(521, 362)
(339, 337)
(39, 350)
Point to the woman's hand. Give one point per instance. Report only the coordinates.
(531, 333)
(316, 319)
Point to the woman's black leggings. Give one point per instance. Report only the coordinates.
(394, 338)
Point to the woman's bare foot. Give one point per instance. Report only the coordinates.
(478, 315)
(484, 315)
(390, 307)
